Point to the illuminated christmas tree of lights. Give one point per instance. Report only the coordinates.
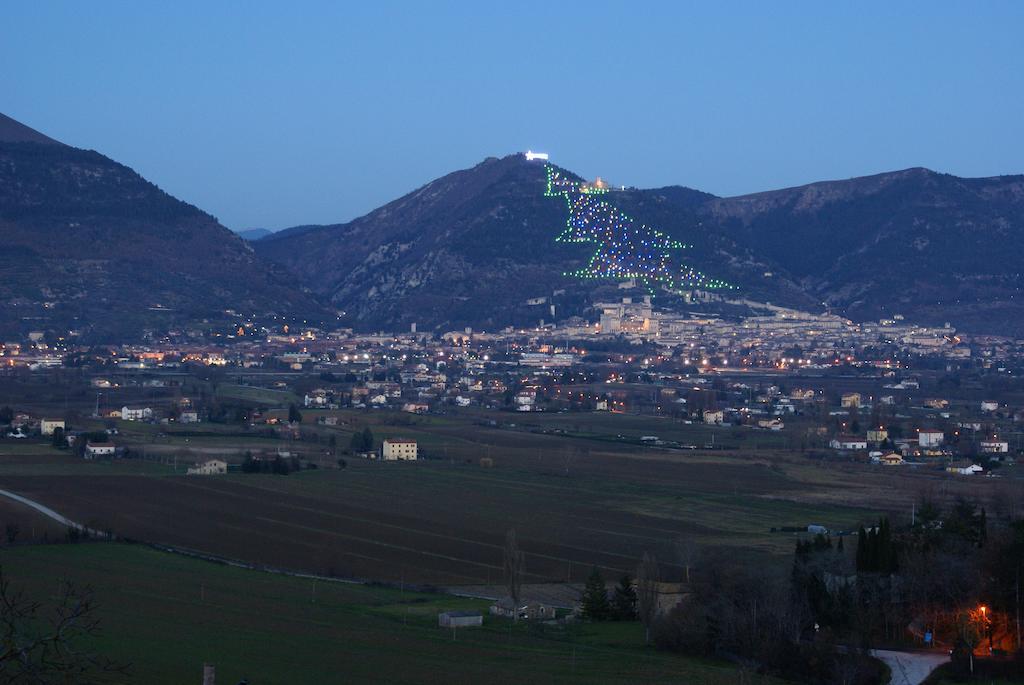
(625, 249)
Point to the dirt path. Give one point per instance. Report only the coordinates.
(910, 668)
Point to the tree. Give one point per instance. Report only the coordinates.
(58, 438)
(515, 564)
(648, 578)
(624, 600)
(687, 553)
(46, 647)
(367, 439)
(595, 597)
(294, 415)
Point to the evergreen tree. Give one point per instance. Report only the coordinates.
(595, 598)
(624, 600)
(367, 439)
(294, 415)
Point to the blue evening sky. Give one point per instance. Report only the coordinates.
(277, 114)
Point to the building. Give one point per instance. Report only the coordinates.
(189, 417)
(714, 417)
(989, 406)
(94, 450)
(136, 414)
(459, 619)
(964, 468)
(890, 459)
(878, 435)
(399, 449)
(995, 446)
(48, 426)
(848, 442)
(850, 400)
(930, 438)
(209, 468)
(527, 610)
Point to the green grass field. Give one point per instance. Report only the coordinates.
(166, 615)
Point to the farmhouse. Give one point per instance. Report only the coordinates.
(209, 468)
(527, 610)
(189, 417)
(848, 442)
(48, 426)
(995, 446)
(399, 449)
(99, 449)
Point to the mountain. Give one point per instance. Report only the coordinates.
(930, 246)
(253, 234)
(471, 248)
(91, 245)
(12, 131)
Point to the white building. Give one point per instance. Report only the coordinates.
(989, 405)
(848, 442)
(995, 446)
(209, 468)
(136, 414)
(399, 449)
(99, 449)
(189, 417)
(930, 438)
(714, 418)
(48, 426)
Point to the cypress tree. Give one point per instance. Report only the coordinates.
(595, 597)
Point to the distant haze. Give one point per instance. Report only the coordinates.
(271, 116)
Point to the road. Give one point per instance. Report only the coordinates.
(47, 511)
(910, 668)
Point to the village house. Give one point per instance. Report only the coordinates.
(930, 438)
(48, 426)
(989, 406)
(136, 414)
(399, 449)
(714, 417)
(877, 435)
(850, 400)
(189, 417)
(890, 459)
(994, 446)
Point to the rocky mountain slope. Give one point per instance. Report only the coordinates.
(91, 245)
(931, 246)
(473, 247)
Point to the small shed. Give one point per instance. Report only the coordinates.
(460, 619)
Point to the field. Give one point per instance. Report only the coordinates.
(577, 494)
(166, 615)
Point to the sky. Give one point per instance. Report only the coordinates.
(280, 114)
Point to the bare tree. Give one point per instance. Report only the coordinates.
(514, 568)
(687, 554)
(37, 646)
(648, 579)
